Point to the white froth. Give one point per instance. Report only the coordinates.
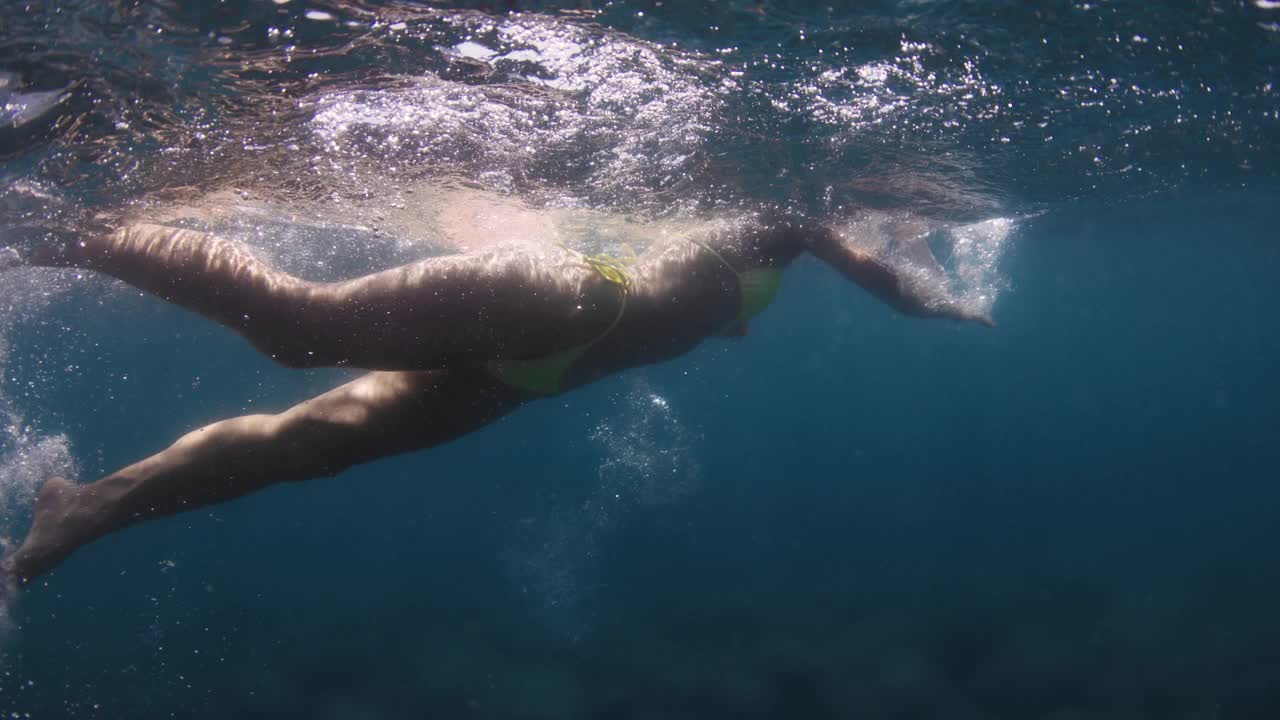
(976, 252)
(28, 456)
(641, 112)
(956, 262)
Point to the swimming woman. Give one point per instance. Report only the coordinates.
(454, 343)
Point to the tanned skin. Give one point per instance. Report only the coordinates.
(427, 330)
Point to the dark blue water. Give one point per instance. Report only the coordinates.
(848, 514)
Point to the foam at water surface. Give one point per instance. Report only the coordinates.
(589, 117)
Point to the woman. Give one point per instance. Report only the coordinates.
(455, 342)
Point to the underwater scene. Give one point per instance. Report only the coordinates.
(387, 360)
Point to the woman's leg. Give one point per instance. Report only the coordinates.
(439, 312)
(378, 415)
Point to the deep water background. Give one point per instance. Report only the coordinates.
(847, 514)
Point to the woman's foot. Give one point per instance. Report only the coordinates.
(50, 539)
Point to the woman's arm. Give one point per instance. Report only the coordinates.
(918, 296)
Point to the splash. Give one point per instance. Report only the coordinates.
(28, 456)
(648, 459)
(957, 264)
(27, 459)
(975, 252)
